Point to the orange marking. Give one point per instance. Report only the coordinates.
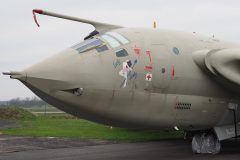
(137, 50)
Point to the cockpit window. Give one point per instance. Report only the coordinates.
(88, 44)
(114, 39)
(119, 37)
(102, 48)
(99, 43)
(112, 42)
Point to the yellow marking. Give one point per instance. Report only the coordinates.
(154, 24)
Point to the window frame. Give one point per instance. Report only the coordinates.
(110, 39)
(88, 44)
(120, 38)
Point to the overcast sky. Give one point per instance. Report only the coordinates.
(23, 44)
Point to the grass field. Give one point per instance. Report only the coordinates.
(42, 109)
(78, 128)
(70, 127)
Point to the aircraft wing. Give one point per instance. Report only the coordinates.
(223, 64)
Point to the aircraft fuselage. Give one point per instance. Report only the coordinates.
(155, 85)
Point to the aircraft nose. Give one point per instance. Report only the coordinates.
(53, 73)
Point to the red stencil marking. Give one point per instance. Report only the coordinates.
(149, 76)
(137, 50)
(173, 71)
(149, 55)
(148, 67)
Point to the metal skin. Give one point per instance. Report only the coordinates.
(141, 104)
(190, 86)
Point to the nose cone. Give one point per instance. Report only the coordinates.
(53, 73)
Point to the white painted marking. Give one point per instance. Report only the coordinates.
(148, 77)
(176, 128)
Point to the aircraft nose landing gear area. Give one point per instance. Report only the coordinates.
(206, 143)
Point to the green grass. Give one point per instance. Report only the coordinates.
(82, 129)
(65, 125)
(42, 109)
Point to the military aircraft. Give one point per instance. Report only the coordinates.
(145, 79)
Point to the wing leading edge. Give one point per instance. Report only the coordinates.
(223, 64)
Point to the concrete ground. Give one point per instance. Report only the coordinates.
(49, 148)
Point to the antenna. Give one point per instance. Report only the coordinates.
(154, 24)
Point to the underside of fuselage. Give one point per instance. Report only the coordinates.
(132, 109)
